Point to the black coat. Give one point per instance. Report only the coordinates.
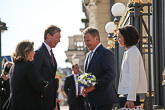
(26, 87)
(44, 67)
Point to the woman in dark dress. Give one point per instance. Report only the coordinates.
(26, 87)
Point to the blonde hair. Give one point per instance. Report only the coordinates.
(22, 50)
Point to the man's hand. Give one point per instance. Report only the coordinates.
(129, 104)
(87, 90)
(83, 93)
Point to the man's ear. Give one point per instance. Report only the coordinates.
(48, 35)
(97, 38)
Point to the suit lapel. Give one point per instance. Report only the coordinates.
(94, 56)
(48, 56)
(74, 82)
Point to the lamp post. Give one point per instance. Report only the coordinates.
(117, 11)
(137, 20)
(2, 29)
(110, 27)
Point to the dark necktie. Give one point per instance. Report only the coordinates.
(52, 57)
(89, 59)
(78, 86)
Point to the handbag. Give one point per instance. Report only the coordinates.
(123, 100)
(136, 108)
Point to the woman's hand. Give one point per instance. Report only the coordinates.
(129, 104)
(4, 76)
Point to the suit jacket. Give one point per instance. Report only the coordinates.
(102, 65)
(44, 67)
(26, 87)
(133, 77)
(70, 90)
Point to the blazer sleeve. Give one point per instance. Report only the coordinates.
(34, 79)
(133, 64)
(108, 69)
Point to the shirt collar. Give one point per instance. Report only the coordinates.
(96, 47)
(75, 74)
(47, 46)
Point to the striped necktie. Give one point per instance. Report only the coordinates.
(52, 57)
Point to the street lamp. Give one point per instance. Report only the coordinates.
(2, 29)
(109, 27)
(117, 11)
(112, 28)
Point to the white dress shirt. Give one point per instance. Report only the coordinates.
(96, 48)
(76, 84)
(132, 76)
(47, 46)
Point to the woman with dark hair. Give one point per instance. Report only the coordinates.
(26, 86)
(132, 82)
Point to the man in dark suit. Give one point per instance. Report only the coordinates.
(73, 90)
(100, 62)
(46, 65)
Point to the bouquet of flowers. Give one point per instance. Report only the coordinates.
(87, 80)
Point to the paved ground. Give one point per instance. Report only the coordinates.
(64, 107)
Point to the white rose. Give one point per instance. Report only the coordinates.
(84, 82)
(89, 81)
(93, 76)
(86, 74)
(93, 83)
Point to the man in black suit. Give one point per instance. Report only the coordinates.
(100, 62)
(46, 65)
(73, 90)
